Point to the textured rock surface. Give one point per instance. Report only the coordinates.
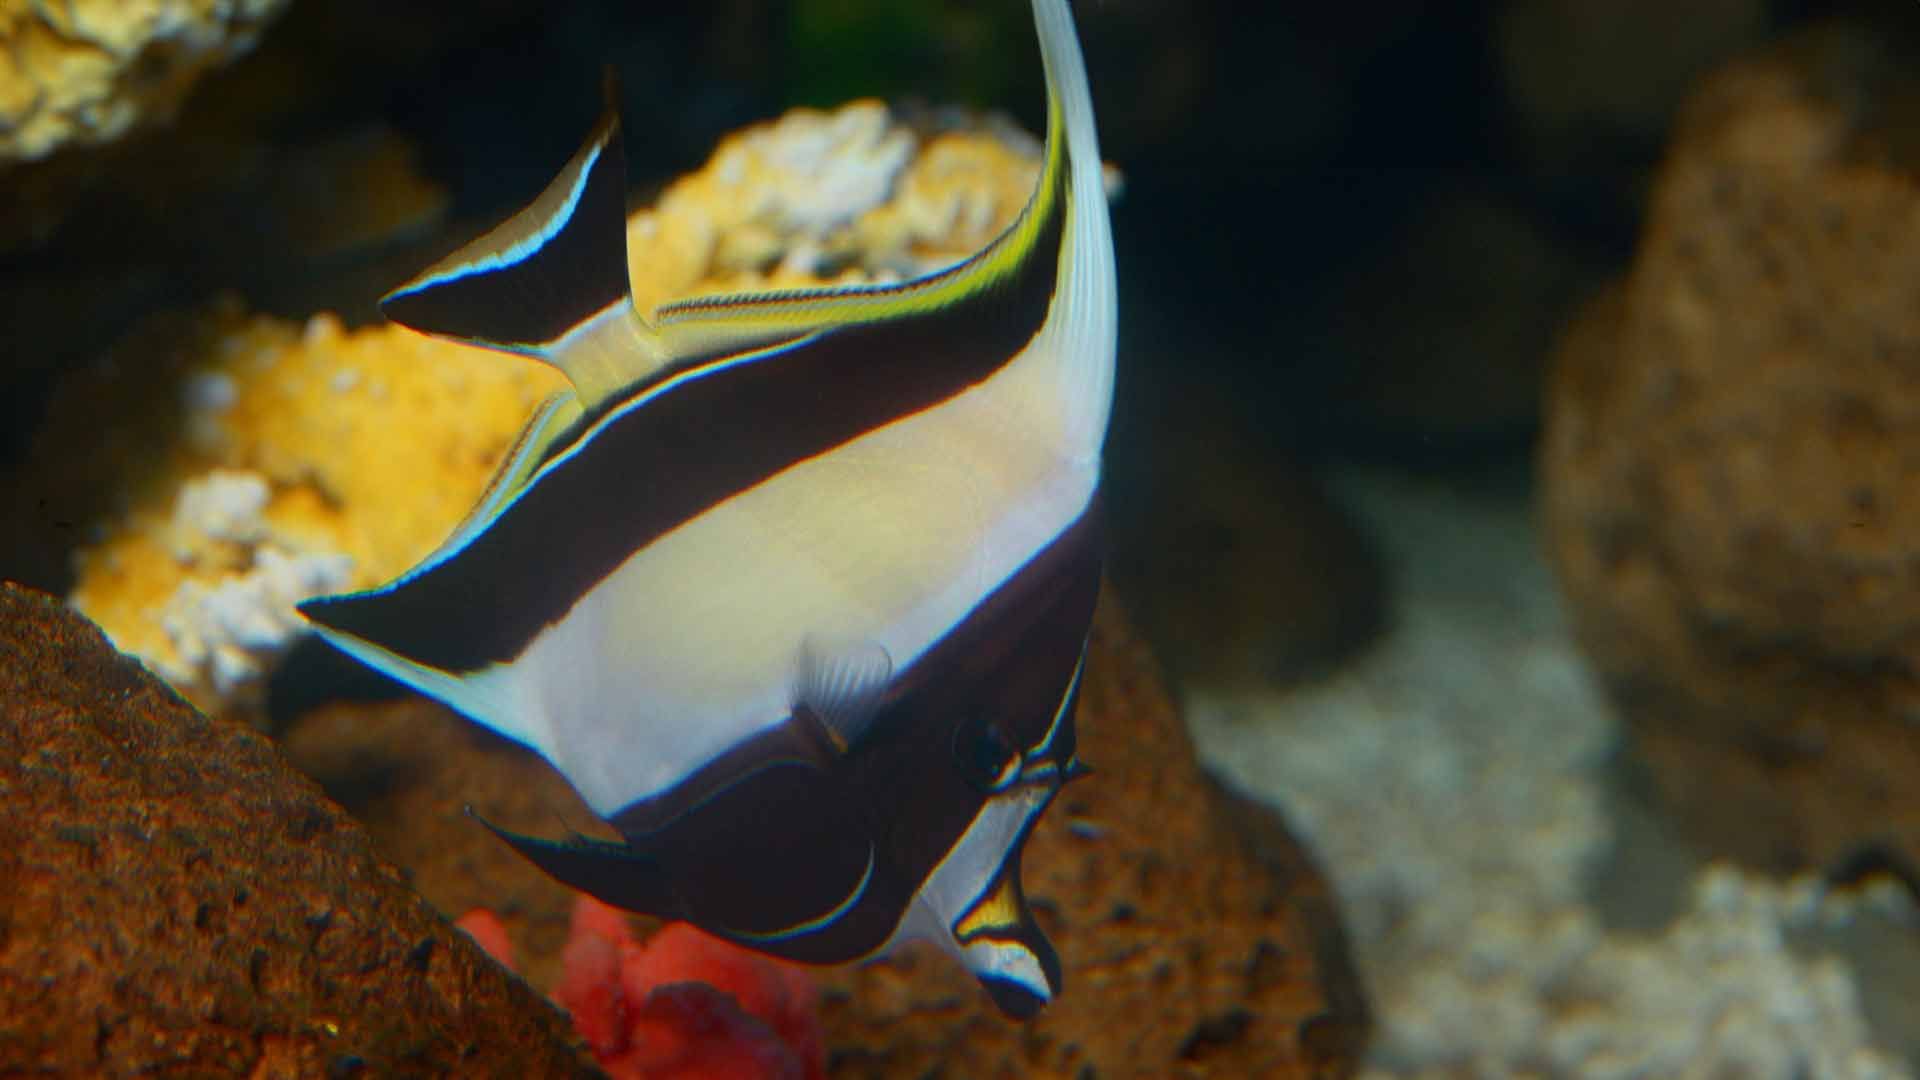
(1732, 462)
(1196, 939)
(409, 769)
(87, 71)
(174, 898)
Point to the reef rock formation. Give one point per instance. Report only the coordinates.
(174, 898)
(1732, 462)
(1197, 940)
(85, 72)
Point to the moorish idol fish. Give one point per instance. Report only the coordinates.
(793, 588)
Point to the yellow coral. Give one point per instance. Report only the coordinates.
(849, 195)
(87, 70)
(372, 444)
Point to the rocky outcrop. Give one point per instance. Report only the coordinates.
(1732, 462)
(175, 898)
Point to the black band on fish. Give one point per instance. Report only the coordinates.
(614, 873)
(546, 270)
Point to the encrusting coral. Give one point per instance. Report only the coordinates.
(856, 194)
(296, 461)
(298, 466)
(87, 71)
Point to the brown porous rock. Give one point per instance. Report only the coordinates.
(1731, 467)
(176, 900)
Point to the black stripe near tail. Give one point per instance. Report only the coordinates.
(613, 873)
(543, 271)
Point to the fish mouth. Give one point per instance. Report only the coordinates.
(1051, 773)
(1015, 999)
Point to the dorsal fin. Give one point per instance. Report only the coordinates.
(550, 281)
(1083, 334)
(1069, 201)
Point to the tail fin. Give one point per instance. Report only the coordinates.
(548, 279)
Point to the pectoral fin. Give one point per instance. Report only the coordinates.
(842, 688)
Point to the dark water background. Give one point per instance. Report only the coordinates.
(1275, 155)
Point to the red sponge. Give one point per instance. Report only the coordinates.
(685, 1004)
(485, 928)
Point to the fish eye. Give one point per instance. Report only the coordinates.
(985, 754)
